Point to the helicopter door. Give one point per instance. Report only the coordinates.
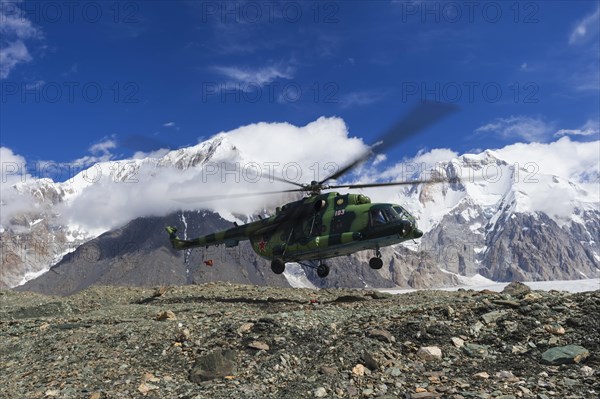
(377, 217)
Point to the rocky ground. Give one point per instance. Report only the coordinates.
(220, 340)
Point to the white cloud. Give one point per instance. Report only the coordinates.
(72, 70)
(14, 22)
(11, 55)
(573, 161)
(411, 168)
(434, 156)
(587, 75)
(14, 171)
(525, 67)
(586, 29)
(62, 171)
(103, 147)
(590, 128)
(584, 71)
(255, 76)
(37, 85)
(520, 127)
(300, 154)
(379, 158)
(153, 154)
(359, 98)
(568, 159)
(15, 29)
(100, 152)
(534, 187)
(171, 125)
(13, 166)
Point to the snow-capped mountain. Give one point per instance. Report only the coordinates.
(507, 221)
(35, 239)
(500, 218)
(107, 195)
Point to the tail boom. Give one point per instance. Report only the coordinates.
(230, 238)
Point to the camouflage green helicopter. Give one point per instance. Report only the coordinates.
(326, 225)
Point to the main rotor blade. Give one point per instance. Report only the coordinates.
(280, 179)
(419, 118)
(190, 200)
(396, 183)
(455, 179)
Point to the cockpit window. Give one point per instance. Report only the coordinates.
(383, 215)
(401, 211)
(377, 217)
(391, 214)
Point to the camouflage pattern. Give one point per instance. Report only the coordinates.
(317, 227)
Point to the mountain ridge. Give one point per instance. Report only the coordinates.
(474, 224)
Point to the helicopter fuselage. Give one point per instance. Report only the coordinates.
(318, 227)
(331, 225)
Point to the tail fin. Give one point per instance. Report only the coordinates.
(178, 243)
(171, 230)
(173, 237)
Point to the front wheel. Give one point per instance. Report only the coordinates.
(322, 270)
(277, 266)
(376, 263)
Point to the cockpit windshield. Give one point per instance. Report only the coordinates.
(385, 215)
(391, 214)
(401, 211)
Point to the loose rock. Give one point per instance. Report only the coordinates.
(516, 289)
(555, 329)
(370, 361)
(565, 355)
(381, 335)
(107, 345)
(166, 315)
(258, 345)
(474, 350)
(458, 342)
(358, 370)
(217, 364)
(493, 317)
(429, 353)
(587, 371)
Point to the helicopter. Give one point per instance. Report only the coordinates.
(324, 225)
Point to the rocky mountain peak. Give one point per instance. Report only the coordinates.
(479, 221)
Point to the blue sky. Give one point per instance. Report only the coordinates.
(77, 80)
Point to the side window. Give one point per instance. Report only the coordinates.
(400, 211)
(390, 214)
(377, 217)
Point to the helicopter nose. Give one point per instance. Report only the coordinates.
(405, 227)
(417, 233)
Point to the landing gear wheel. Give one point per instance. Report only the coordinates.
(322, 270)
(375, 263)
(277, 266)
